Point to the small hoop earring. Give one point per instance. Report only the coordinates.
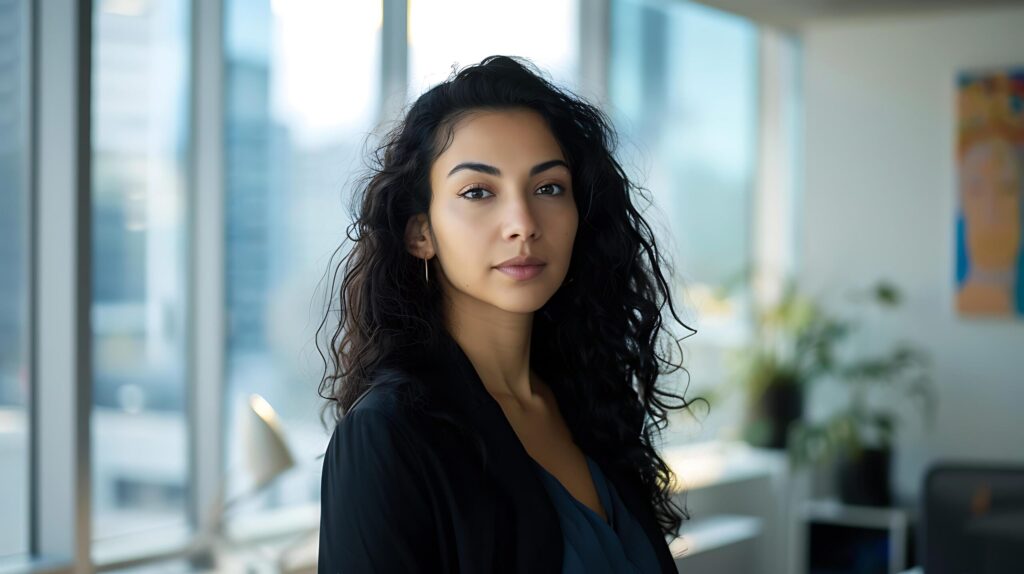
(426, 270)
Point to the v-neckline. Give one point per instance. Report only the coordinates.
(591, 464)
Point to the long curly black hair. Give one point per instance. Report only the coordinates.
(594, 341)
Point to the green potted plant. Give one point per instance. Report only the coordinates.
(796, 345)
(790, 346)
(858, 435)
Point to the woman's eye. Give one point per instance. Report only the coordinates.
(560, 188)
(466, 193)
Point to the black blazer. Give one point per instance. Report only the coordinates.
(404, 492)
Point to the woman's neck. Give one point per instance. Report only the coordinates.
(497, 343)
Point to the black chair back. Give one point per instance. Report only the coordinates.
(973, 519)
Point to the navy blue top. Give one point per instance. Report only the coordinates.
(591, 544)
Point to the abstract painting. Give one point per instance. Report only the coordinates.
(990, 182)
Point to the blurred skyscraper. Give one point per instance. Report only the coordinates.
(140, 140)
(14, 197)
(14, 275)
(250, 163)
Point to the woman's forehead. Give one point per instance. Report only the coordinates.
(514, 138)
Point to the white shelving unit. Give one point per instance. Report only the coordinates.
(737, 497)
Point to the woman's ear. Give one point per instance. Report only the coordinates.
(417, 237)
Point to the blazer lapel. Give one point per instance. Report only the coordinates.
(534, 521)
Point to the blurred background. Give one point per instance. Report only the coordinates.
(837, 185)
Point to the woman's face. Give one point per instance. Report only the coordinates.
(502, 189)
(990, 199)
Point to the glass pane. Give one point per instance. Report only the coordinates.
(443, 33)
(140, 144)
(301, 95)
(698, 116)
(14, 275)
(693, 122)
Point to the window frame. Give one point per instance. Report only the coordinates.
(59, 520)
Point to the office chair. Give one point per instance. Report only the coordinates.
(972, 519)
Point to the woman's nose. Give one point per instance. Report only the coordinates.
(520, 219)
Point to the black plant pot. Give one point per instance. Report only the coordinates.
(771, 417)
(864, 478)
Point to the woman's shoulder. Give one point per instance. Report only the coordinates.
(393, 393)
(406, 401)
(375, 480)
(401, 397)
(380, 426)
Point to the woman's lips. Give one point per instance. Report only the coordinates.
(521, 272)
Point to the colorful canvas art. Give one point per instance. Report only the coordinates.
(990, 181)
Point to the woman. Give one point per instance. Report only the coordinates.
(494, 362)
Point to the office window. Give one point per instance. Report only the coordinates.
(301, 96)
(443, 33)
(683, 87)
(15, 57)
(140, 145)
(684, 84)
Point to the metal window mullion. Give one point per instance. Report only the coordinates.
(61, 390)
(594, 19)
(394, 59)
(775, 215)
(774, 190)
(206, 279)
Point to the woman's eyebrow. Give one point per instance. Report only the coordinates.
(491, 170)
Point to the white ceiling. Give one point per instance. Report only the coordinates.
(793, 14)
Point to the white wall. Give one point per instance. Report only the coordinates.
(879, 199)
